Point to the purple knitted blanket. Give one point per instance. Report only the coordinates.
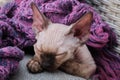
(18, 17)
(14, 36)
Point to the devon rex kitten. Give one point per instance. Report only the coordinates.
(61, 46)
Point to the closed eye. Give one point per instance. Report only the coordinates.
(61, 55)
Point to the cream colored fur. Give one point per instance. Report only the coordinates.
(54, 39)
(59, 40)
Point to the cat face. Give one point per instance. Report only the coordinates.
(57, 43)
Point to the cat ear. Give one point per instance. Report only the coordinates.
(81, 28)
(40, 22)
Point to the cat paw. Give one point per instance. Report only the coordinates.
(33, 66)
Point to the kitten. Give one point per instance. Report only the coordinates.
(61, 46)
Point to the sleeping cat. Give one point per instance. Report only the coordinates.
(61, 46)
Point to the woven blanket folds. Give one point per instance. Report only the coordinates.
(13, 38)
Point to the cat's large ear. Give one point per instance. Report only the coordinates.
(81, 28)
(40, 22)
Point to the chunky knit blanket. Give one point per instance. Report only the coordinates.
(17, 17)
(14, 36)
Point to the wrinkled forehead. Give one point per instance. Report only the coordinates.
(53, 38)
(57, 28)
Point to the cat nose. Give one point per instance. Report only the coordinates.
(48, 61)
(45, 65)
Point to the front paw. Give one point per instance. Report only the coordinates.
(34, 66)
